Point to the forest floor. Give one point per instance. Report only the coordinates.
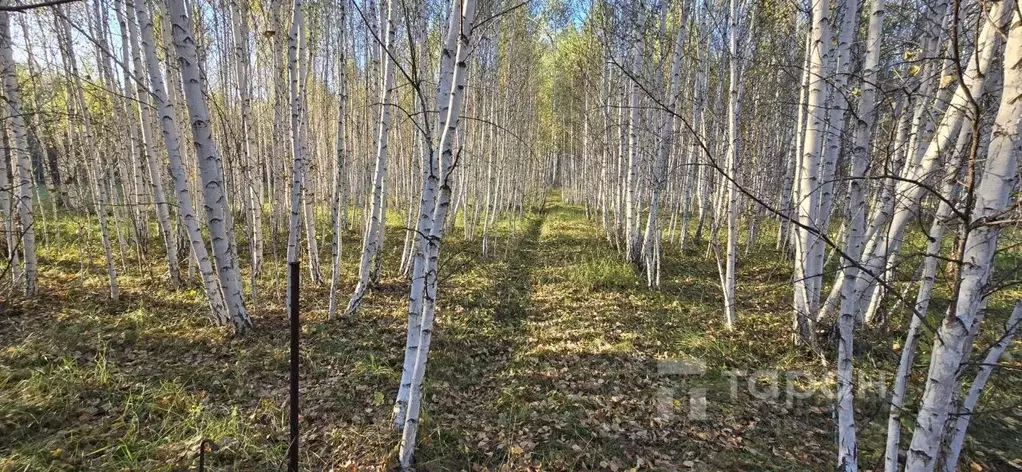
(549, 354)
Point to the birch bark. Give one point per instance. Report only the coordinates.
(431, 182)
(24, 177)
(171, 140)
(297, 152)
(213, 196)
(855, 218)
(668, 130)
(339, 204)
(808, 246)
(907, 188)
(97, 165)
(965, 413)
(373, 242)
(998, 180)
(141, 94)
(459, 78)
(730, 181)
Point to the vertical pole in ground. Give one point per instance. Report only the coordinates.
(292, 450)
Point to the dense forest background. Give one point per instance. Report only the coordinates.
(741, 234)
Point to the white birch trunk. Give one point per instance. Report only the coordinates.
(653, 233)
(731, 163)
(214, 199)
(339, 203)
(7, 212)
(788, 233)
(249, 194)
(965, 412)
(373, 242)
(998, 180)
(808, 245)
(431, 182)
(297, 152)
(855, 218)
(927, 278)
(909, 192)
(24, 177)
(163, 217)
(170, 138)
(459, 77)
(632, 236)
(96, 164)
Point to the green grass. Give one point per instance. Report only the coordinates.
(600, 274)
(544, 355)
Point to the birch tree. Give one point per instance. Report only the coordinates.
(848, 10)
(457, 82)
(24, 177)
(809, 249)
(97, 164)
(153, 163)
(171, 140)
(996, 183)
(339, 211)
(373, 242)
(213, 196)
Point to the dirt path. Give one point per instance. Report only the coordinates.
(575, 378)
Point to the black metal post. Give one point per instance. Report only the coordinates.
(202, 455)
(292, 449)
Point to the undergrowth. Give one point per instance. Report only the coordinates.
(550, 353)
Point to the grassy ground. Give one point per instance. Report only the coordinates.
(550, 354)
